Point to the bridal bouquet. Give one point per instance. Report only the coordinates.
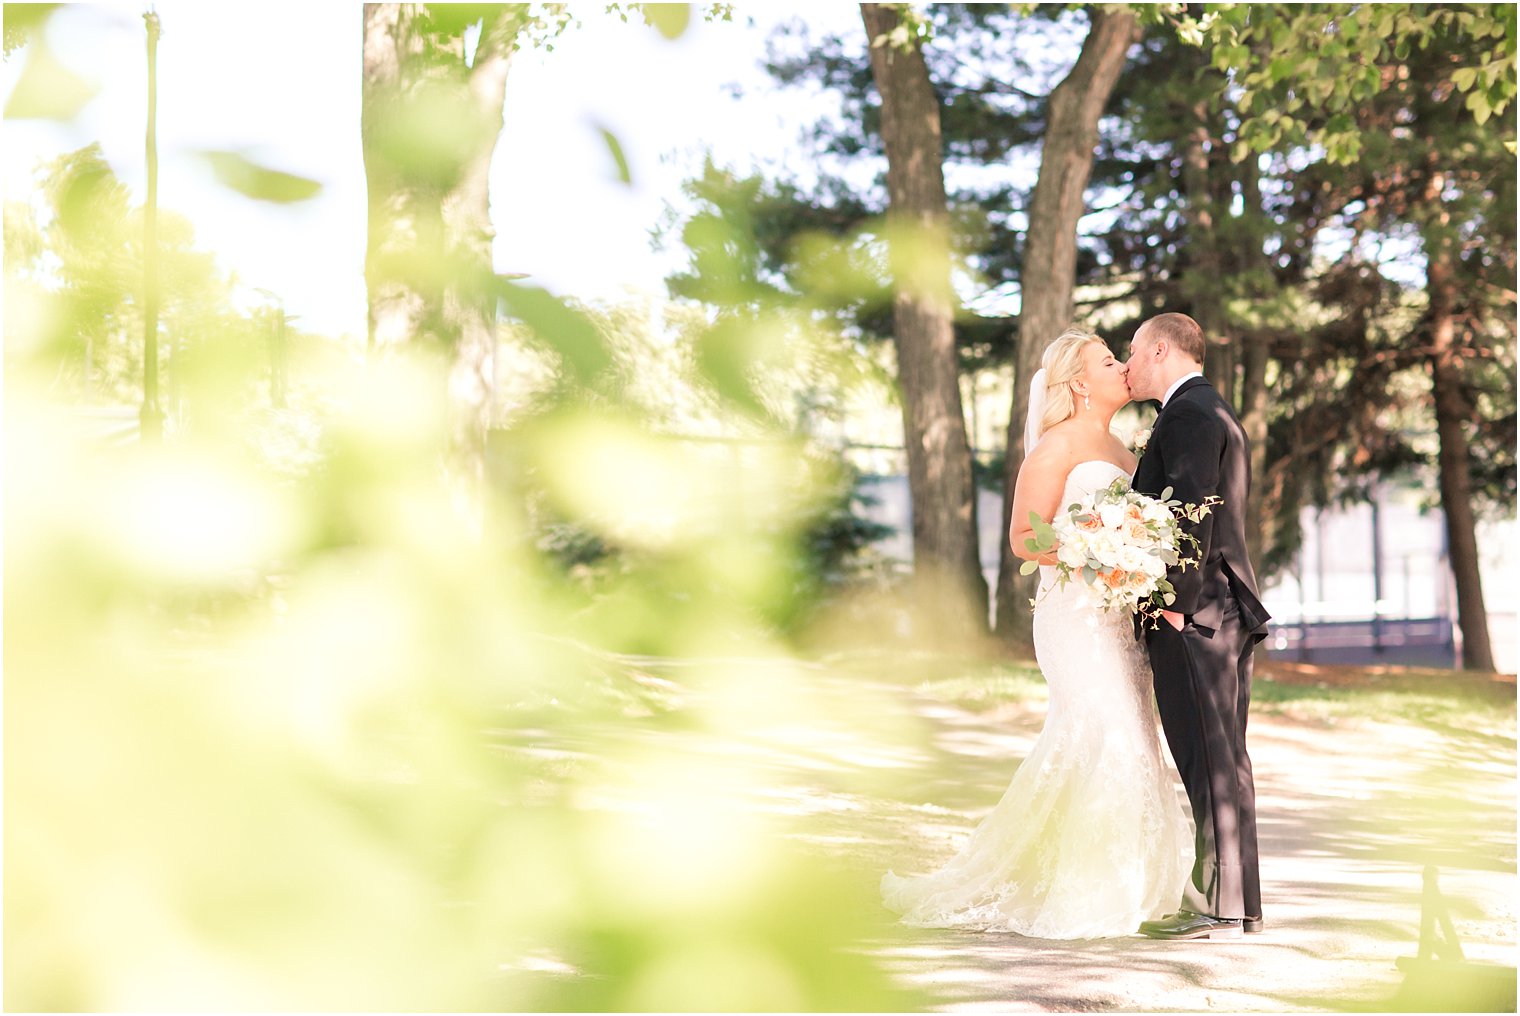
(1120, 543)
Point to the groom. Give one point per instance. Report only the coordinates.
(1201, 650)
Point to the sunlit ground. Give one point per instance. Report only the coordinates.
(1357, 793)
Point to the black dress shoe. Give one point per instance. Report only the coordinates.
(1252, 925)
(1185, 925)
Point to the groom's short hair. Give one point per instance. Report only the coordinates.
(1182, 332)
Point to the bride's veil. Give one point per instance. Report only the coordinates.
(1036, 411)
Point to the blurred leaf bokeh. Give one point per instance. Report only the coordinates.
(284, 731)
(288, 726)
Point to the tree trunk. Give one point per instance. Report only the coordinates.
(469, 309)
(428, 264)
(1206, 266)
(1452, 413)
(940, 479)
(403, 216)
(1050, 259)
(1254, 354)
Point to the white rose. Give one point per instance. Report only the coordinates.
(1156, 512)
(1105, 547)
(1112, 515)
(1072, 555)
(1132, 558)
(1154, 566)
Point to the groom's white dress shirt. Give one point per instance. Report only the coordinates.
(1176, 385)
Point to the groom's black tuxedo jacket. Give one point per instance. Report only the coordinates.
(1198, 448)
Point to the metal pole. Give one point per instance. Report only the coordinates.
(1377, 570)
(1408, 595)
(1303, 620)
(151, 418)
(1319, 560)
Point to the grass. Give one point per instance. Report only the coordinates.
(1436, 698)
(982, 689)
(1460, 706)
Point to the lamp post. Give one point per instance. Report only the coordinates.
(151, 419)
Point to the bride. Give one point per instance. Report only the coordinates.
(1089, 839)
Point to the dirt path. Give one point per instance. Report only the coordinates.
(868, 775)
(1350, 812)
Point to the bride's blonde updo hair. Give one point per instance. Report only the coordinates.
(1063, 364)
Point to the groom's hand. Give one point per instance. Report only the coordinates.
(1173, 618)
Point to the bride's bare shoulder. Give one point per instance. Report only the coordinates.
(1072, 444)
(1060, 441)
(1053, 455)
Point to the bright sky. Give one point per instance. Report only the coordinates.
(280, 81)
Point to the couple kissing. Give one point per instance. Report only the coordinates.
(1089, 840)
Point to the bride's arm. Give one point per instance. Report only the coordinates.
(1037, 489)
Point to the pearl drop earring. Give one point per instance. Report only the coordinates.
(1086, 402)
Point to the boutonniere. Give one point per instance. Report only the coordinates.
(1140, 440)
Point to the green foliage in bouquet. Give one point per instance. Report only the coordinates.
(1159, 528)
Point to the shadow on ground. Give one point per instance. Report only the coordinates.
(1351, 811)
(891, 772)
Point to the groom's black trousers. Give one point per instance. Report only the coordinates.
(1203, 690)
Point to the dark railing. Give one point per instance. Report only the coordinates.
(1420, 640)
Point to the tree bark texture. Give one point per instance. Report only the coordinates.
(469, 308)
(1452, 414)
(1206, 258)
(1050, 258)
(1255, 351)
(403, 215)
(428, 263)
(940, 477)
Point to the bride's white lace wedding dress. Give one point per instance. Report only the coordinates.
(1089, 839)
